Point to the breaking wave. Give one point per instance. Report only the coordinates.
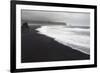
(77, 38)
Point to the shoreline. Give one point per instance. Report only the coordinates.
(40, 48)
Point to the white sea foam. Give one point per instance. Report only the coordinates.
(77, 38)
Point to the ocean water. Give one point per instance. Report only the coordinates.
(77, 38)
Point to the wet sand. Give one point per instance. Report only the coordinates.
(40, 48)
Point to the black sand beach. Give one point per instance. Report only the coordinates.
(40, 48)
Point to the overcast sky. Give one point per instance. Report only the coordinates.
(70, 18)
